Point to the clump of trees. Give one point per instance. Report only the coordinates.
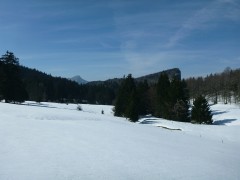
(172, 99)
(167, 99)
(12, 88)
(126, 104)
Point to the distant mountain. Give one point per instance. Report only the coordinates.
(79, 80)
(151, 78)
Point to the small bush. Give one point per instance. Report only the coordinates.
(79, 108)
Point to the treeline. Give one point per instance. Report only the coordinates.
(43, 87)
(224, 87)
(18, 83)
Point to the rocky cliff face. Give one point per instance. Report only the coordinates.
(153, 78)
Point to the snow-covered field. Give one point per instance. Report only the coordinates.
(51, 141)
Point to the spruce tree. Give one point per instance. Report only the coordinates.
(143, 100)
(163, 97)
(201, 112)
(2, 79)
(179, 101)
(172, 99)
(132, 110)
(13, 89)
(126, 104)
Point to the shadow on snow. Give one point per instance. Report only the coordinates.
(217, 112)
(223, 122)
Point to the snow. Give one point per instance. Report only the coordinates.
(55, 141)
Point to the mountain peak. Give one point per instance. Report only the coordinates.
(79, 79)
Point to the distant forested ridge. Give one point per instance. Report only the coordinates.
(43, 87)
(217, 87)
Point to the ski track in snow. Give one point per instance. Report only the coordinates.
(55, 141)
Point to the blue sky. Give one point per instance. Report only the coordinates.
(101, 39)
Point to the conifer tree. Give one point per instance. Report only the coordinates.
(13, 89)
(2, 79)
(172, 99)
(126, 102)
(143, 100)
(163, 97)
(132, 110)
(179, 101)
(201, 112)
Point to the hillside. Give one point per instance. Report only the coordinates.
(153, 78)
(55, 141)
(150, 78)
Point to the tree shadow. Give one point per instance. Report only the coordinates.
(223, 122)
(149, 121)
(217, 112)
(39, 105)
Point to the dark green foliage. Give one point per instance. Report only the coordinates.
(132, 109)
(9, 59)
(2, 79)
(12, 87)
(126, 104)
(163, 105)
(179, 101)
(168, 99)
(144, 99)
(172, 99)
(44, 87)
(180, 111)
(201, 112)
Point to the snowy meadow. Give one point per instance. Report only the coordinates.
(56, 141)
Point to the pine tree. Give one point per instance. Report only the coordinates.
(13, 89)
(132, 110)
(201, 112)
(126, 104)
(143, 100)
(163, 97)
(179, 101)
(172, 99)
(2, 79)
(10, 59)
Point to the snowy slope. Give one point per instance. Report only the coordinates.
(55, 141)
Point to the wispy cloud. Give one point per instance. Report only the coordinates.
(205, 18)
(141, 63)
